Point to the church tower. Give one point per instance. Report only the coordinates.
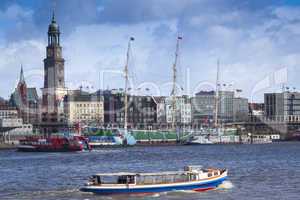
(22, 90)
(54, 78)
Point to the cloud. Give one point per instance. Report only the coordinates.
(17, 21)
(104, 48)
(252, 39)
(27, 53)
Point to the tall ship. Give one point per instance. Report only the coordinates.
(195, 178)
(53, 144)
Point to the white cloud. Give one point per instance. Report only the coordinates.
(16, 12)
(91, 49)
(248, 53)
(28, 53)
(287, 13)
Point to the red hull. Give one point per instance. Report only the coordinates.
(50, 144)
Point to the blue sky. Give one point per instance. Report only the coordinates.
(257, 42)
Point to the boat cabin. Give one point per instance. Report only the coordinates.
(190, 173)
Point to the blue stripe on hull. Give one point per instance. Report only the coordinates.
(212, 184)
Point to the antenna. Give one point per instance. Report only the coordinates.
(217, 94)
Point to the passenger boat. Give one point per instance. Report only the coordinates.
(193, 178)
(52, 144)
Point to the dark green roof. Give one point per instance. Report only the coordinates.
(32, 96)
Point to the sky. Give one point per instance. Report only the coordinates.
(257, 43)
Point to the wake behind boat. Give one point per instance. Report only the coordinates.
(193, 178)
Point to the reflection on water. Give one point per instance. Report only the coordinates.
(253, 171)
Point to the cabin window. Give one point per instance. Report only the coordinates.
(122, 180)
(126, 180)
(215, 173)
(109, 179)
(130, 179)
(98, 180)
(193, 177)
(209, 174)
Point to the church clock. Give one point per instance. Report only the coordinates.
(49, 53)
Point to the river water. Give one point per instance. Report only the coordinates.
(268, 171)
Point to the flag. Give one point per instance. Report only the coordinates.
(132, 38)
(179, 38)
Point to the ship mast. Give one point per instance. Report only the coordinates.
(174, 85)
(126, 83)
(217, 95)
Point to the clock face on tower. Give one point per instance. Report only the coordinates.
(49, 53)
(57, 53)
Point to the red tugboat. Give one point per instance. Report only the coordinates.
(53, 144)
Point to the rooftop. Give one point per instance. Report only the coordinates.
(82, 97)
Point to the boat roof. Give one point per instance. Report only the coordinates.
(143, 174)
(189, 167)
(116, 174)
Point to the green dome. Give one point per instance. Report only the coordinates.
(53, 27)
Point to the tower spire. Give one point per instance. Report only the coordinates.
(53, 16)
(53, 11)
(22, 79)
(53, 32)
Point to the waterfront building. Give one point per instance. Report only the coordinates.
(7, 112)
(284, 106)
(183, 113)
(161, 111)
(203, 107)
(26, 100)
(256, 109)
(225, 106)
(279, 114)
(141, 110)
(12, 126)
(54, 89)
(240, 109)
(109, 106)
(82, 107)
